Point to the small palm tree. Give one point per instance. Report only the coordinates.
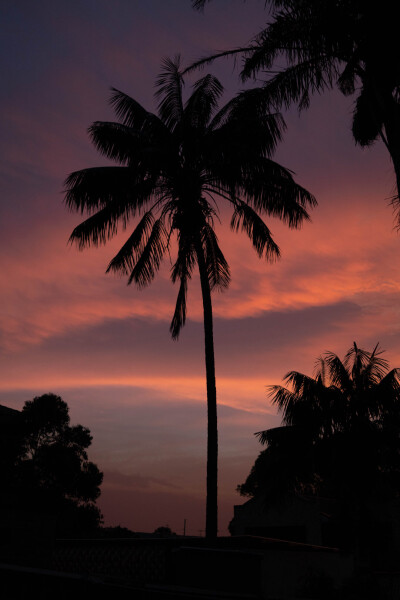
(171, 168)
(342, 397)
(340, 428)
(323, 43)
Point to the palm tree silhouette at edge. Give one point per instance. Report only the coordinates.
(341, 424)
(171, 166)
(347, 43)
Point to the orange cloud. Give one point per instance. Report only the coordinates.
(56, 288)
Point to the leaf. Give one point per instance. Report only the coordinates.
(128, 110)
(250, 222)
(125, 260)
(216, 265)
(202, 102)
(90, 189)
(182, 270)
(98, 228)
(116, 141)
(150, 258)
(169, 92)
(179, 318)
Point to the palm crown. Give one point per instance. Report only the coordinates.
(342, 397)
(171, 168)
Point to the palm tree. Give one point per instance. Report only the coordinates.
(340, 444)
(322, 43)
(171, 167)
(340, 426)
(342, 396)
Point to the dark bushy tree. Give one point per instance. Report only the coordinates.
(164, 532)
(51, 471)
(172, 167)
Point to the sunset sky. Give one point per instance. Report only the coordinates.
(67, 328)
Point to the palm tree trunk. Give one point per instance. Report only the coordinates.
(212, 429)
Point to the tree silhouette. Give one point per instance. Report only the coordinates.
(322, 43)
(341, 431)
(49, 470)
(164, 531)
(171, 167)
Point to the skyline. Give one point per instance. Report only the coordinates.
(68, 328)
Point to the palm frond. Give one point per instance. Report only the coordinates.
(125, 260)
(279, 436)
(262, 437)
(199, 4)
(283, 398)
(114, 140)
(387, 392)
(131, 113)
(179, 318)
(269, 437)
(250, 222)
(380, 365)
(320, 370)
(298, 32)
(94, 188)
(259, 56)
(271, 189)
(182, 270)
(100, 227)
(147, 150)
(302, 384)
(169, 93)
(338, 374)
(288, 35)
(298, 82)
(248, 117)
(217, 267)
(206, 60)
(306, 405)
(202, 102)
(186, 260)
(150, 258)
(368, 366)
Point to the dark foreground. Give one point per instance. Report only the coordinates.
(233, 568)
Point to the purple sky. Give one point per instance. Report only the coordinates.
(67, 328)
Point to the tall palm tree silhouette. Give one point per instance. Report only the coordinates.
(349, 43)
(170, 169)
